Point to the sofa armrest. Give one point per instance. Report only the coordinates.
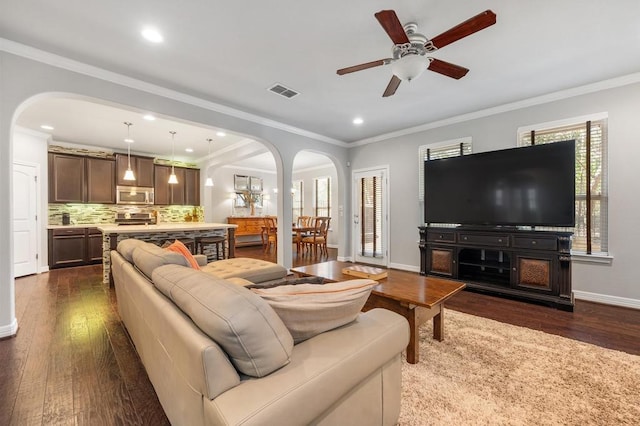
(201, 259)
(337, 360)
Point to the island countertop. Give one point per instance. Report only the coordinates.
(157, 234)
(162, 227)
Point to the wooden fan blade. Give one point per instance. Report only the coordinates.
(363, 66)
(468, 27)
(391, 24)
(392, 87)
(448, 69)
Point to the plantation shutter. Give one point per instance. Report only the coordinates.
(323, 196)
(446, 150)
(297, 201)
(371, 215)
(591, 230)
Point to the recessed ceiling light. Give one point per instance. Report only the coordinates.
(128, 140)
(221, 134)
(152, 35)
(149, 117)
(358, 121)
(46, 127)
(189, 149)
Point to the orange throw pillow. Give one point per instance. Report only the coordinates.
(178, 247)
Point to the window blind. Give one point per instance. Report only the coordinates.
(323, 196)
(436, 151)
(371, 216)
(297, 195)
(591, 230)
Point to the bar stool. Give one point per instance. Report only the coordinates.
(219, 242)
(190, 243)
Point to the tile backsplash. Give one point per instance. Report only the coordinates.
(105, 213)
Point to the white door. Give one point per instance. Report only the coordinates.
(370, 213)
(25, 242)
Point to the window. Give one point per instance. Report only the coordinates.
(297, 195)
(370, 190)
(446, 149)
(590, 134)
(322, 191)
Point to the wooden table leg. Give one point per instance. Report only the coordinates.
(413, 348)
(438, 324)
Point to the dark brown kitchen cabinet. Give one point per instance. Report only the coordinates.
(162, 190)
(177, 189)
(142, 167)
(74, 247)
(66, 178)
(67, 247)
(94, 245)
(185, 192)
(192, 187)
(77, 179)
(100, 180)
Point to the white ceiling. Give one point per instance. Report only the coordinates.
(231, 52)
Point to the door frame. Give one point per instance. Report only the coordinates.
(385, 261)
(39, 213)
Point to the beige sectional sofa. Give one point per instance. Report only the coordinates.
(251, 373)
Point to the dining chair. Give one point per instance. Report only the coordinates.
(301, 222)
(270, 233)
(318, 237)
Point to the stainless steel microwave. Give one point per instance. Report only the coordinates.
(134, 195)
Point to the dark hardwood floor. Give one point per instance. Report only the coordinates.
(72, 361)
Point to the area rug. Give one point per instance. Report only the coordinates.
(490, 373)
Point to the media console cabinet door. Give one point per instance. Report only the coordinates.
(534, 272)
(441, 261)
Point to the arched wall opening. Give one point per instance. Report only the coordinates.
(25, 80)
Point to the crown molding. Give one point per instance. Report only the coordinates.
(58, 61)
(538, 100)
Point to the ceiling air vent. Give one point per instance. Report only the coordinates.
(281, 90)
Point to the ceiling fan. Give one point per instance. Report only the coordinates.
(411, 48)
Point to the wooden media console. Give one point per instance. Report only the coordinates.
(525, 264)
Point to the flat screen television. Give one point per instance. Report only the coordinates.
(528, 186)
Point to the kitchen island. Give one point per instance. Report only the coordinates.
(158, 234)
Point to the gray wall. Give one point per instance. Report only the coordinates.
(611, 281)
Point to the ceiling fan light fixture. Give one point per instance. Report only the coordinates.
(410, 67)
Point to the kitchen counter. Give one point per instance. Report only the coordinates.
(112, 234)
(79, 225)
(162, 227)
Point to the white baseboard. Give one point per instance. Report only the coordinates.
(344, 258)
(606, 299)
(43, 269)
(410, 268)
(9, 330)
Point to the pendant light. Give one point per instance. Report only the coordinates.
(209, 181)
(173, 178)
(128, 175)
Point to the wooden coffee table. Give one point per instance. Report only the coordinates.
(415, 297)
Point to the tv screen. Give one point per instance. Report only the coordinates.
(529, 186)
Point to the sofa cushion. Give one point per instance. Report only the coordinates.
(178, 247)
(254, 270)
(126, 247)
(244, 325)
(148, 257)
(311, 309)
